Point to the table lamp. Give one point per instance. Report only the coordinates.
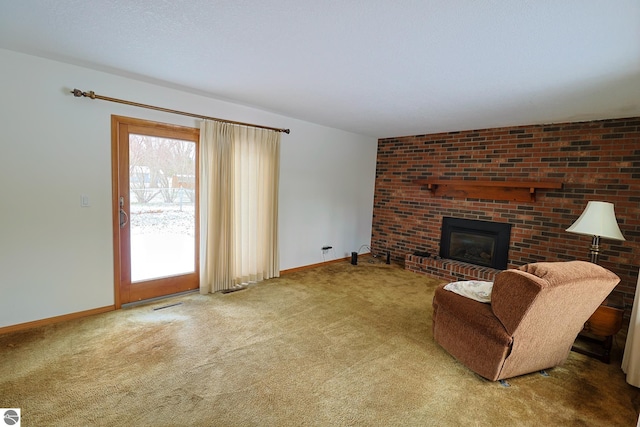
(599, 221)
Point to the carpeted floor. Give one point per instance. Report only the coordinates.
(338, 345)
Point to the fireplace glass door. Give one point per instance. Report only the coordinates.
(482, 243)
(472, 248)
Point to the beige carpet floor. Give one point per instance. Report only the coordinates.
(338, 345)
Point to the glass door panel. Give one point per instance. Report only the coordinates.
(162, 211)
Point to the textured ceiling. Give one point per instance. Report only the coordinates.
(375, 67)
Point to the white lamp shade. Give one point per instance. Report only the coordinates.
(598, 219)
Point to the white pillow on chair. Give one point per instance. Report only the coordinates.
(475, 289)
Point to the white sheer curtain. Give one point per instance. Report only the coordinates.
(239, 178)
(631, 357)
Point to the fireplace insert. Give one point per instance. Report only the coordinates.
(482, 243)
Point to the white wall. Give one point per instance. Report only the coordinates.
(56, 257)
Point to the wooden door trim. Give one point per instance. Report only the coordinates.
(115, 213)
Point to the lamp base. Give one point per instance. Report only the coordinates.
(594, 250)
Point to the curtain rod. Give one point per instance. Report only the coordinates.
(91, 94)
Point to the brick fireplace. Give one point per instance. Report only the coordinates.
(574, 162)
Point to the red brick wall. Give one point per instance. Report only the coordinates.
(597, 160)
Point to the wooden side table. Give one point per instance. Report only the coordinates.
(598, 333)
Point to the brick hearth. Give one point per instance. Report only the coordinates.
(448, 269)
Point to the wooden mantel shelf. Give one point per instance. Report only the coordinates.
(519, 191)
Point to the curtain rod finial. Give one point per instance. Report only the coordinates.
(78, 93)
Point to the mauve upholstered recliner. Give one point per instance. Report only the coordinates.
(535, 315)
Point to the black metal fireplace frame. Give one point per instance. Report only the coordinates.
(500, 230)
